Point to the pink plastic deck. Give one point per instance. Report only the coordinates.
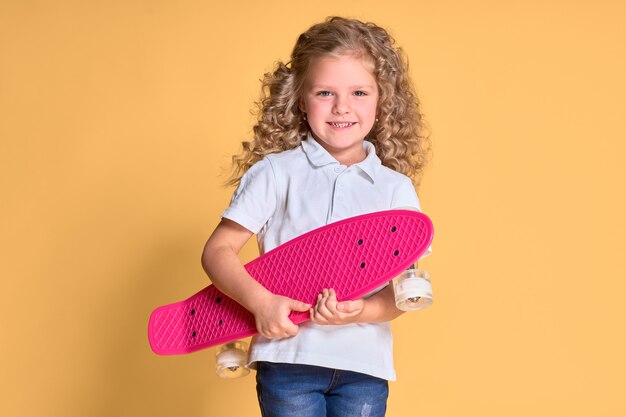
(354, 256)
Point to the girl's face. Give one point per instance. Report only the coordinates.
(339, 98)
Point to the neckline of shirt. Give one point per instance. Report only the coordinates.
(319, 156)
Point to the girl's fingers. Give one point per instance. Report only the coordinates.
(331, 301)
(326, 307)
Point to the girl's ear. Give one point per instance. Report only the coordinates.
(301, 105)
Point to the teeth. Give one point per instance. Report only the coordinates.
(340, 125)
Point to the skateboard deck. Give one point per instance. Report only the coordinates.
(354, 256)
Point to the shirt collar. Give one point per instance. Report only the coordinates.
(318, 156)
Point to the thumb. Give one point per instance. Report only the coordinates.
(346, 306)
(299, 306)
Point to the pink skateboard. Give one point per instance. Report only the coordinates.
(354, 256)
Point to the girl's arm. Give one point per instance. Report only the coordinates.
(379, 307)
(221, 262)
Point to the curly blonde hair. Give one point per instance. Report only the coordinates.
(398, 134)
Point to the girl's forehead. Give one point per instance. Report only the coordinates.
(335, 66)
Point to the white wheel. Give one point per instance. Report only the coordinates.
(231, 360)
(412, 290)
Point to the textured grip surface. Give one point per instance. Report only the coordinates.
(354, 256)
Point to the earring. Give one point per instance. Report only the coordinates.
(304, 116)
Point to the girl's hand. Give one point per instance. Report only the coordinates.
(329, 311)
(272, 316)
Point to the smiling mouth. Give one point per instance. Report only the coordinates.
(342, 124)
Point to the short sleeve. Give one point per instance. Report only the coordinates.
(254, 201)
(405, 196)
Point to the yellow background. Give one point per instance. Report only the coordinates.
(117, 121)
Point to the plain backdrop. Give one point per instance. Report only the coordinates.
(117, 123)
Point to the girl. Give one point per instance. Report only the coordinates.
(339, 134)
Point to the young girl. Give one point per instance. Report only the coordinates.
(339, 134)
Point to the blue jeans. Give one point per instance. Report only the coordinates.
(311, 391)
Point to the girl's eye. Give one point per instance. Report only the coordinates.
(324, 93)
(360, 93)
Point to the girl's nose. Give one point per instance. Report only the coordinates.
(341, 106)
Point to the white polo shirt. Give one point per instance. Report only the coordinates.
(290, 193)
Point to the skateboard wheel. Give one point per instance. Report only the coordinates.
(231, 360)
(412, 290)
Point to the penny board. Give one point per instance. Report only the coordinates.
(353, 256)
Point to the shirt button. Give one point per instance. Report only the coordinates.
(338, 169)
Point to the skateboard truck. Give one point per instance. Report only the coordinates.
(412, 289)
(231, 360)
